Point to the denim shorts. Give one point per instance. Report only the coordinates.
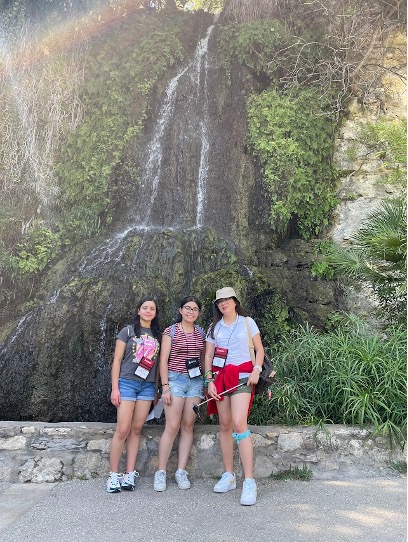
(181, 385)
(136, 390)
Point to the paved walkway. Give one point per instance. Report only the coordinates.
(369, 510)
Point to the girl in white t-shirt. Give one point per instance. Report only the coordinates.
(228, 364)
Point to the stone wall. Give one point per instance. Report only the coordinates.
(42, 452)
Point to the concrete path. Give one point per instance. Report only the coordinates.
(369, 510)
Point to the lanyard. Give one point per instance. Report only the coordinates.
(195, 337)
(233, 329)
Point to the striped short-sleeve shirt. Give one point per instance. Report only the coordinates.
(183, 346)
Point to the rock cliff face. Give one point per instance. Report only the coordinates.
(196, 224)
(364, 183)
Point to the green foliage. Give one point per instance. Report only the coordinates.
(273, 52)
(39, 247)
(94, 169)
(399, 466)
(292, 137)
(262, 410)
(275, 320)
(212, 6)
(345, 376)
(378, 256)
(388, 141)
(294, 473)
(322, 270)
(387, 138)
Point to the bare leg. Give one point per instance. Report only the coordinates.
(132, 446)
(124, 422)
(239, 407)
(186, 431)
(173, 415)
(226, 442)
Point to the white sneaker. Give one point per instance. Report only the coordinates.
(182, 480)
(128, 481)
(160, 481)
(226, 483)
(248, 495)
(113, 483)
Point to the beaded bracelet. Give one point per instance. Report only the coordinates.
(207, 381)
(207, 373)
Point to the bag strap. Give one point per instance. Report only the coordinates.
(250, 342)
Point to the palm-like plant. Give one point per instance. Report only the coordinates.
(378, 256)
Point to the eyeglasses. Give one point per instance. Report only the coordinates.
(191, 309)
(222, 300)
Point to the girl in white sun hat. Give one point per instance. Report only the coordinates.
(229, 363)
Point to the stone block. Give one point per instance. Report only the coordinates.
(40, 470)
(44, 443)
(102, 445)
(288, 442)
(90, 465)
(13, 443)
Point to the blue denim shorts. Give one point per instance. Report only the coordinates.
(136, 390)
(181, 385)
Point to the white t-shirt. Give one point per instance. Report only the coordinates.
(235, 338)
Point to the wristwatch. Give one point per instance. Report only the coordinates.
(258, 367)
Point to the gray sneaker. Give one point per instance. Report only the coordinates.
(160, 481)
(182, 480)
(128, 481)
(226, 483)
(113, 483)
(248, 495)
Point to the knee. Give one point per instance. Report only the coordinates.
(122, 432)
(226, 426)
(187, 427)
(240, 427)
(172, 429)
(135, 430)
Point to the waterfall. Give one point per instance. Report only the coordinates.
(204, 128)
(197, 72)
(154, 184)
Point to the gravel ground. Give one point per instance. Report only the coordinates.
(372, 509)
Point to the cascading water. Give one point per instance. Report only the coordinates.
(154, 186)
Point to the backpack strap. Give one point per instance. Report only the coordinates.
(198, 328)
(250, 341)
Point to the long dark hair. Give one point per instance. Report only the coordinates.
(183, 302)
(154, 326)
(217, 315)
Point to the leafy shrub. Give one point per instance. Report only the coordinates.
(39, 247)
(293, 139)
(378, 257)
(345, 376)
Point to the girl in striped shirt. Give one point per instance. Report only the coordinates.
(181, 357)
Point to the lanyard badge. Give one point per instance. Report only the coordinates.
(193, 367)
(144, 367)
(220, 356)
